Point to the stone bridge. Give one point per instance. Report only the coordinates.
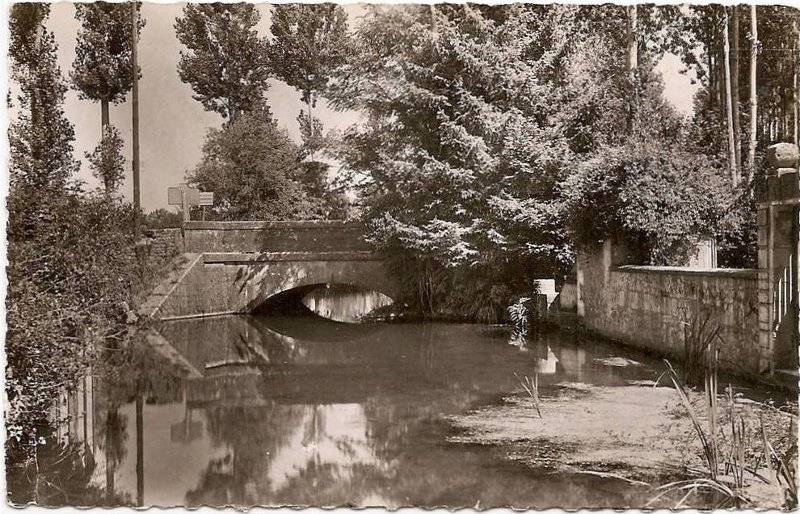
(235, 267)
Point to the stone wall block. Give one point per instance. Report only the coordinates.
(788, 183)
(782, 155)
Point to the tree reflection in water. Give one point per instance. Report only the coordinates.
(302, 411)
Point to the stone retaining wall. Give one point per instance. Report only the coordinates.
(649, 307)
(166, 243)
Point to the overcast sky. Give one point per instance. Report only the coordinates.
(172, 125)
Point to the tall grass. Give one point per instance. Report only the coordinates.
(728, 470)
(731, 493)
(700, 336)
(531, 386)
(786, 465)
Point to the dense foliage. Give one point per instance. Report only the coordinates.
(657, 198)
(163, 218)
(309, 40)
(254, 169)
(462, 152)
(225, 62)
(103, 69)
(40, 136)
(72, 268)
(500, 139)
(106, 160)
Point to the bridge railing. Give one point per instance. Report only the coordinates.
(274, 236)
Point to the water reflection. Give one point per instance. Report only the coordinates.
(344, 303)
(305, 411)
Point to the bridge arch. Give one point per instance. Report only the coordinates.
(277, 278)
(235, 267)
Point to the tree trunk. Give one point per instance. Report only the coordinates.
(139, 450)
(729, 101)
(135, 119)
(633, 63)
(712, 82)
(751, 149)
(104, 122)
(104, 117)
(111, 424)
(737, 130)
(796, 84)
(720, 67)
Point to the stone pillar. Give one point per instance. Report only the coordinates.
(778, 196)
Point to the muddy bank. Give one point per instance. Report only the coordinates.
(639, 433)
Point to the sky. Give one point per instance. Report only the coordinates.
(172, 125)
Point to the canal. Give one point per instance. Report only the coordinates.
(300, 410)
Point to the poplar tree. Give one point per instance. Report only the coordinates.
(102, 70)
(41, 136)
(310, 40)
(106, 161)
(225, 60)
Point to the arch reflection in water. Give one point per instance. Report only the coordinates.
(344, 303)
(299, 410)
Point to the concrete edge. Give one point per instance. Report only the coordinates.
(163, 347)
(174, 281)
(746, 274)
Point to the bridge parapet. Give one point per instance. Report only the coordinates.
(274, 236)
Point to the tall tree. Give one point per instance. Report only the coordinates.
(102, 70)
(729, 101)
(250, 164)
(309, 41)
(106, 161)
(751, 148)
(737, 130)
(226, 62)
(462, 147)
(633, 61)
(41, 136)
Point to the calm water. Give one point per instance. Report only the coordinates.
(304, 411)
(275, 410)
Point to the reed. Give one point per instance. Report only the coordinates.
(786, 465)
(707, 441)
(531, 386)
(727, 475)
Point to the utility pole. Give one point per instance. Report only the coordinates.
(135, 121)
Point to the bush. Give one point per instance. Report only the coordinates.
(162, 218)
(656, 197)
(70, 285)
(254, 170)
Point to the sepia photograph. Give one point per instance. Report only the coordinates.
(402, 255)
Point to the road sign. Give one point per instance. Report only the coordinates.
(205, 198)
(186, 197)
(174, 196)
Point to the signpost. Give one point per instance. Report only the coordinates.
(186, 197)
